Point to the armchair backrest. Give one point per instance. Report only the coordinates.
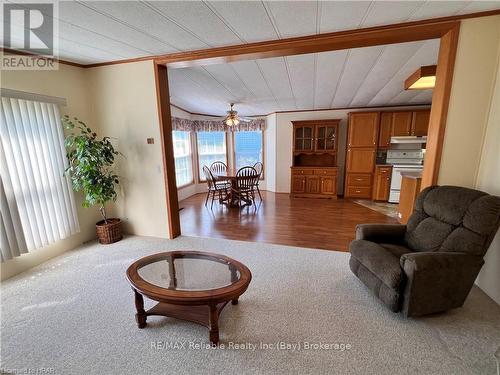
(452, 218)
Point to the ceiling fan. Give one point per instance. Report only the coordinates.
(233, 119)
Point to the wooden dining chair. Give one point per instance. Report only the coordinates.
(214, 187)
(259, 168)
(246, 178)
(218, 167)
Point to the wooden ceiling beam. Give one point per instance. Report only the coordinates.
(380, 35)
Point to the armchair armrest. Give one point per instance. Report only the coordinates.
(437, 281)
(381, 233)
(435, 261)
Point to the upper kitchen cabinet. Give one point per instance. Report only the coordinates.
(303, 137)
(420, 123)
(363, 129)
(401, 123)
(315, 143)
(384, 137)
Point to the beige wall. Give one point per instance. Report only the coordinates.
(471, 93)
(124, 107)
(68, 82)
(471, 150)
(488, 180)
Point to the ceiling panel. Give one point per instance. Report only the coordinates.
(391, 60)
(361, 77)
(294, 18)
(341, 15)
(301, 69)
(382, 12)
(248, 19)
(200, 19)
(433, 9)
(141, 16)
(424, 96)
(329, 68)
(77, 14)
(426, 55)
(227, 77)
(479, 6)
(250, 74)
(358, 66)
(275, 73)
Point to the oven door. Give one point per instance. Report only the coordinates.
(396, 179)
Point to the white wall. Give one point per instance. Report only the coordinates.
(284, 138)
(124, 107)
(68, 82)
(270, 152)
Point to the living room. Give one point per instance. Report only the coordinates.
(67, 305)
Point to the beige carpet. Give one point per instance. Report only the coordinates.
(75, 315)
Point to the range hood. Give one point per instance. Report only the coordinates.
(409, 139)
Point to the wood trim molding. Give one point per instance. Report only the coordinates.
(387, 34)
(22, 53)
(165, 121)
(439, 108)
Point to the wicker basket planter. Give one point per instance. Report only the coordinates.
(109, 232)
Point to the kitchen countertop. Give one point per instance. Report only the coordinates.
(412, 174)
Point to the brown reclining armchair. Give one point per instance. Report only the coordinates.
(430, 264)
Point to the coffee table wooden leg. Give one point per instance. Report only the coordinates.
(234, 301)
(213, 324)
(141, 316)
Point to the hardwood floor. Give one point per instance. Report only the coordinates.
(315, 223)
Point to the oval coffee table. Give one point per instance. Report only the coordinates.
(188, 285)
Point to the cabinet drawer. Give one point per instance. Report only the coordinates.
(325, 172)
(359, 191)
(296, 171)
(359, 179)
(384, 171)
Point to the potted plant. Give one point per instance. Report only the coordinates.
(90, 168)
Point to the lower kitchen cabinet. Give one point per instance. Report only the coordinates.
(382, 184)
(314, 182)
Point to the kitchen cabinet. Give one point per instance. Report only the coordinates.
(314, 182)
(329, 185)
(361, 160)
(382, 184)
(384, 135)
(410, 188)
(420, 123)
(304, 138)
(363, 129)
(401, 124)
(362, 142)
(314, 168)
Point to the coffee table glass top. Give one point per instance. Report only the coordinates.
(189, 273)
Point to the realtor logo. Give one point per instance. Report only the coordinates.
(29, 35)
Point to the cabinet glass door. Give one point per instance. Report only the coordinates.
(304, 138)
(325, 138)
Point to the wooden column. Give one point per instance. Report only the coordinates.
(439, 109)
(165, 120)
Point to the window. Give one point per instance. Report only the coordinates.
(38, 206)
(211, 147)
(247, 148)
(183, 157)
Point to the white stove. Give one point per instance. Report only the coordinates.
(403, 161)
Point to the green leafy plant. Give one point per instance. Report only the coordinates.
(91, 163)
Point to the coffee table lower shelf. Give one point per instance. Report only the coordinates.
(205, 315)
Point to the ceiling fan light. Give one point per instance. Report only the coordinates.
(423, 78)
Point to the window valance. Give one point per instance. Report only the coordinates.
(183, 124)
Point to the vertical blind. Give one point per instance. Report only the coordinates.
(38, 206)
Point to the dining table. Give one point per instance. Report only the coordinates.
(233, 198)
